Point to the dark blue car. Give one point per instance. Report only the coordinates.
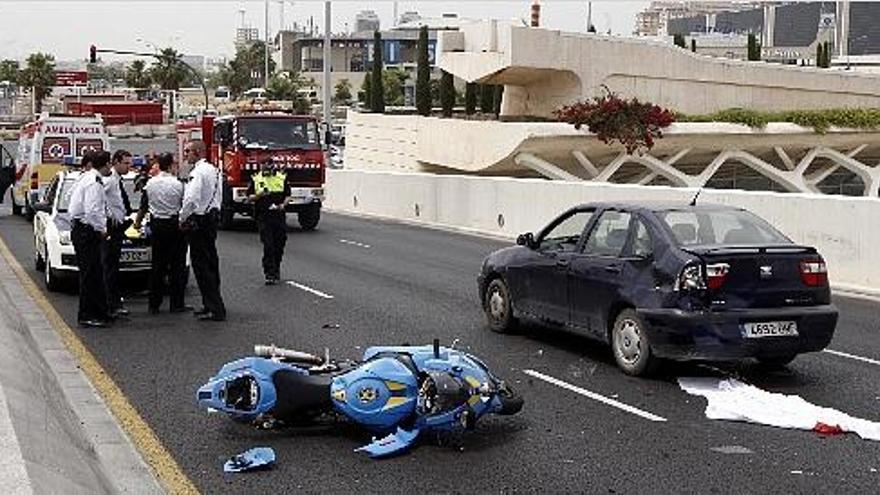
(665, 281)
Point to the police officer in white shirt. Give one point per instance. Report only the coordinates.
(118, 209)
(163, 198)
(198, 217)
(88, 213)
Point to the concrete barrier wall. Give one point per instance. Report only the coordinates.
(844, 229)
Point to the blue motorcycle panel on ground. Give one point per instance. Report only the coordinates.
(259, 457)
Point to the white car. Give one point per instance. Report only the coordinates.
(53, 249)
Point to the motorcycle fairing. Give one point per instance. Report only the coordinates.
(379, 394)
(395, 443)
(253, 372)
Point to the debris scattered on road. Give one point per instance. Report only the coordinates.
(734, 400)
(797, 471)
(330, 325)
(732, 450)
(540, 352)
(259, 457)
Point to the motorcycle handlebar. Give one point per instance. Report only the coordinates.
(271, 351)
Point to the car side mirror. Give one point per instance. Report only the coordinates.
(527, 240)
(43, 206)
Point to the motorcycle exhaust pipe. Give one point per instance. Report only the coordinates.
(271, 351)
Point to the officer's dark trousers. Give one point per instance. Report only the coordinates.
(202, 239)
(92, 296)
(273, 235)
(110, 251)
(169, 260)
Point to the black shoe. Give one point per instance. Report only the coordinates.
(153, 311)
(92, 323)
(182, 309)
(211, 317)
(201, 312)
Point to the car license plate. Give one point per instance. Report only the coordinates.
(770, 329)
(141, 256)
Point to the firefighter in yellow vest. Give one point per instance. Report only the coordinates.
(268, 192)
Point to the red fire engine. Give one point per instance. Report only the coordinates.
(241, 142)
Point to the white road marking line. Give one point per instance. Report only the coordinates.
(354, 243)
(852, 356)
(309, 289)
(594, 396)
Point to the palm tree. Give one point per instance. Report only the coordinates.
(136, 76)
(168, 72)
(9, 70)
(39, 74)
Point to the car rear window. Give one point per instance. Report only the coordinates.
(720, 227)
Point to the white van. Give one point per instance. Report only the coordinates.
(44, 146)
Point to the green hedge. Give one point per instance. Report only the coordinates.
(819, 120)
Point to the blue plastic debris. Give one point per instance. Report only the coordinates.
(255, 458)
(393, 444)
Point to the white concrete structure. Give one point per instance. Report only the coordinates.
(544, 69)
(842, 228)
(783, 156)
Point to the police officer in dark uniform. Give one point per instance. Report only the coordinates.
(269, 191)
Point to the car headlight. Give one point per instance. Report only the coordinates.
(64, 238)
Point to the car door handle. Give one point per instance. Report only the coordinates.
(612, 269)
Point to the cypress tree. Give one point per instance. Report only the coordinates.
(487, 94)
(827, 53)
(754, 50)
(368, 92)
(423, 75)
(820, 55)
(447, 93)
(496, 104)
(470, 98)
(678, 40)
(377, 101)
(694, 45)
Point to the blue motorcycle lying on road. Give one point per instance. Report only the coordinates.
(400, 392)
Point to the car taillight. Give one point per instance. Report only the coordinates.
(691, 278)
(35, 180)
(814, 273)
(715, 275)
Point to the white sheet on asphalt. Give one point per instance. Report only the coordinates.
(734, 400)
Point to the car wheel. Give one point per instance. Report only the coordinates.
(309, 218)
(16, 209)
(39, 260)
(53, 279)
(776, 361)
(632, 349)
(28, 211)
(498, 307)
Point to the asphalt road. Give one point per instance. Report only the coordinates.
(394, 284)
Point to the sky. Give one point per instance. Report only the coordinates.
(66, 28)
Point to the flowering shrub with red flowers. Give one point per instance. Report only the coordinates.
(632, 123)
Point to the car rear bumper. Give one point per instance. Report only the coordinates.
(717, 335)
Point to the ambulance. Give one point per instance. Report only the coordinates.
(44, 146)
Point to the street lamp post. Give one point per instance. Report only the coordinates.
(327, 61)
(266, 50)
(849, 41)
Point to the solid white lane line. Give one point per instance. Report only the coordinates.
(309, 289)
(354, 243)
(852, 356)
(592, 395)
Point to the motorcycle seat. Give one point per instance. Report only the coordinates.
(299, 395)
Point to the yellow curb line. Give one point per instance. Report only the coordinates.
(142, 436)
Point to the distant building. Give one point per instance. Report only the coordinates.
(195, 61)
(246, 35)
(789, 31)
(352, 55)
(366, 21)
(408, 17)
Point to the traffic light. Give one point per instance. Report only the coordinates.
(93, 54)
